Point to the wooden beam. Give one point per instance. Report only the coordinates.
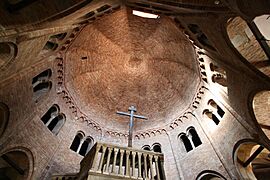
(253, 156)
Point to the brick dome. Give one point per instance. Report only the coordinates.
(125, 60)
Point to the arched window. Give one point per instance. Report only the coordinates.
(50, 46)
(212, 116)
(4, 117)
(57, 123)
(41, 83)
(251, 160)
(51, 113)
(146, 147)
(216, 108)
(194, 137)
(86, 146)
(77, 141)
(156, 147)
(186, 142)
(53, 119)
(82, 145)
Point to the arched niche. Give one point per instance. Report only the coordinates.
(8, 51)
(252, 46)
(261, 109)
(4, 117)
(252, 160)
(210, 175)
(16, 164)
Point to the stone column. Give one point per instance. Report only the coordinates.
(127, 163)
(133, 163)
(114, 159)
(145, 165)
(121, 161)
(94, 168)
(157, 169)
(139, 165)
(101, 159)
(108, 160)
(151, 166)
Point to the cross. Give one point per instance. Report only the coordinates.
(132, 109)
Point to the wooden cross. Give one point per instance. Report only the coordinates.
(132, 109)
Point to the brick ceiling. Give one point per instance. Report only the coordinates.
(122, 60)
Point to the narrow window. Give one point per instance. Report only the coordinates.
(86, 146)
(215, 119)
(157, 148)
(76, 142)
(220, 112)
(56, 124)
(195, 138)
(41, 83)
(50, 46)
(53, 111)
(216, 108)
(186, 142)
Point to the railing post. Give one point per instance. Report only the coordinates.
(114, 159)
(157, 169)
(127, 163)
(133, 162)
(93, 168)
(121, 161)
(145, 165)
(139, 165)
(108, 160)
(151, 166)
(102, 158)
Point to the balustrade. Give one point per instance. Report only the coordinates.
(124, 162)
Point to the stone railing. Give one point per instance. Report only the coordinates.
(122, 162)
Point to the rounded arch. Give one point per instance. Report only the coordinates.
(191, 131)
(77, 141)
(261, 109)
(86, 145)
(185, 141)
(146, 147)
(57, 123)
(17, 163)
(209, 175)
(8, 52)
(251, 159)
(4, 117)
(156, 147)
(242, 37)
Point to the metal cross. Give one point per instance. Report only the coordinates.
(132, 109)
